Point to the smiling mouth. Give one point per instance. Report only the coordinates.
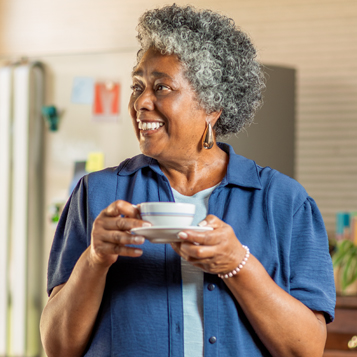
(149, 125)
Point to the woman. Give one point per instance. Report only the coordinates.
(115, 294)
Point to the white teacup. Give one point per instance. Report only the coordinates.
(170, 214)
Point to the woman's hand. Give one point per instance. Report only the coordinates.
(111, 233)
(216, 251)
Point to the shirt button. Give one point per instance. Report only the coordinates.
(212, 339)
(211, 287)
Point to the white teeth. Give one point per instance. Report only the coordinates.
(149, 126)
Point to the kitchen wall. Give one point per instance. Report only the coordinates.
(317, 37)
(97, 38)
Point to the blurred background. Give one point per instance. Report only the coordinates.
(79, 55)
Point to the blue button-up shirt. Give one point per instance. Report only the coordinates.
(141, 311)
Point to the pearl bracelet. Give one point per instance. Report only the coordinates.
(239, 267)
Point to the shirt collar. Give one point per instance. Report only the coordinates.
(130, 166)
(240, 172)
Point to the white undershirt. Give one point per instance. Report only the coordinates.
(192, 282)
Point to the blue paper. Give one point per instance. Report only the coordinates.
(82, 90)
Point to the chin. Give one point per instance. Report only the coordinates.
(148, 150)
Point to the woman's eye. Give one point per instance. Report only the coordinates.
(161, 87)
(135, 88)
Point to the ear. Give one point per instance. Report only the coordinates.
(213, 117)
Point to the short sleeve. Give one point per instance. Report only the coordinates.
(311, 278)
(70, 239)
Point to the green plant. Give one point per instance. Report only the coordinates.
(344, 259)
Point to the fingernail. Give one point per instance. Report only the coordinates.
(182, 235)
(139, 239)
(146, 224)
(135, 206)
(138, 251)
(203, 223)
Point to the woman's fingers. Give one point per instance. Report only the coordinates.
(204, 238)
(119, 223)
(213, 251)
(198, 251)
(121, 207)
(206, 258)
(194, 253)
(121, 249)
(106, 246)
(110, 233)
(122, 238)
(211, 221)
(221, 231)
(122, 216)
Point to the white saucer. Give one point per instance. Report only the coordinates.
(165, 234)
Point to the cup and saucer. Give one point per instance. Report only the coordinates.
(167, 219)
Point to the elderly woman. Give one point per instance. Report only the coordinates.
(115, 294)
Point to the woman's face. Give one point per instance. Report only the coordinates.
(167, 119)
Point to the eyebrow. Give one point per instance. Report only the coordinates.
(155, 74)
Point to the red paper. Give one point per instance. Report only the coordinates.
(106, 104)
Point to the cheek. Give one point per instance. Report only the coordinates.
(136, 129)
(132, 114)
(131, 109)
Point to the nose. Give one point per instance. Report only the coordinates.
(145, 101)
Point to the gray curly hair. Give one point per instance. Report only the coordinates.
(218, 60)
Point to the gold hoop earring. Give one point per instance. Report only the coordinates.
(208, 140)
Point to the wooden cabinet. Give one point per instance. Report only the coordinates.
(342, 333)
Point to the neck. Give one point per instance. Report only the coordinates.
(192, 174)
